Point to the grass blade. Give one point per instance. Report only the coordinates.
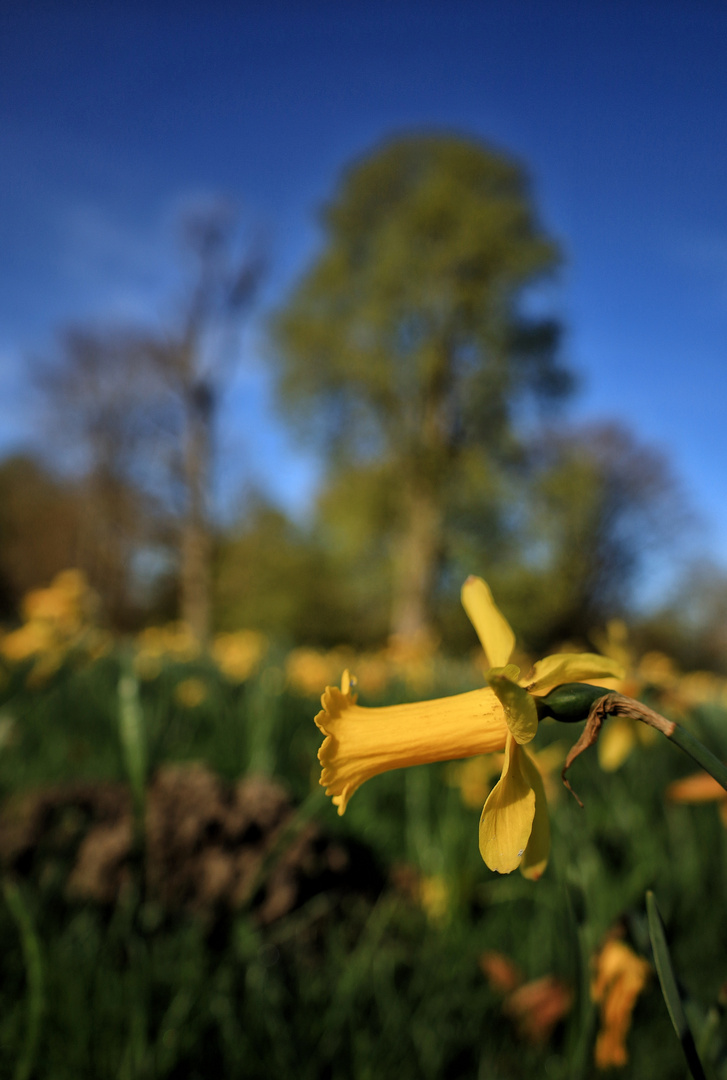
(668, 983)
(133, 739)
(34, 975)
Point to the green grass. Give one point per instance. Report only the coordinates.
(361, 986)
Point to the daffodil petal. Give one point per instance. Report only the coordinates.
(536, 854)
(507, 817)
(571, 667)
(509, 671)
(362, 742)
(492, 627)
(616, 742)
(521, 713)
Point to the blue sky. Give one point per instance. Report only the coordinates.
(112, 117)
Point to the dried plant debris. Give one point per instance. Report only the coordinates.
(210, 846)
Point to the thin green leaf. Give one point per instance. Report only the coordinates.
(704, 757)
(668, 983)
(20, 912)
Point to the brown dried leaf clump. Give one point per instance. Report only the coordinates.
(211, 846)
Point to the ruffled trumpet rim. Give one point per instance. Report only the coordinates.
(363, 742)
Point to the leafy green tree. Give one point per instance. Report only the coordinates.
(599, 505)
(273, 575)
(39, 529)
(50, 522)
(409, 345)
(690, 625)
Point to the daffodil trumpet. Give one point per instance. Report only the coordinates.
(514, 827)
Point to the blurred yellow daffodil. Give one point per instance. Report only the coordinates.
(619, 739)
(362, 742)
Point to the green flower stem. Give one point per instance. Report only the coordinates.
(704, 757)
(133, 744)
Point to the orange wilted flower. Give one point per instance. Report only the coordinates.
(699, 788)
(501, 972)
(538, 1006)
(535, 1007)
(619, 977)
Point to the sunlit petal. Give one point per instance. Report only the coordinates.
(492, 627)
(536, 854)
(571, 667)
(362, 742)
(509, 671)
(521, 713)
(616, 742)
(507, 817)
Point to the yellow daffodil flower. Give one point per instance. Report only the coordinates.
(362, 742)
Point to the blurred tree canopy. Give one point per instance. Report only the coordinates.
(272, 575)
(405, 352)
(597, 504)
(415, 356)
(691, 624)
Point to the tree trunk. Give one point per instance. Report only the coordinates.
(415, 568)
(196, 547)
